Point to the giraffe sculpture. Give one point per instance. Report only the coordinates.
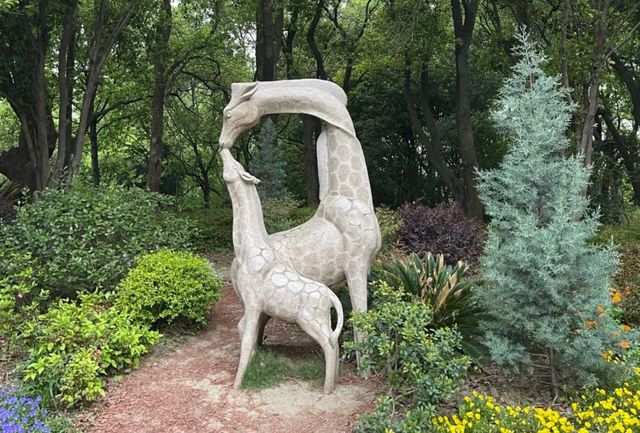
(267, 287)
(342, 238)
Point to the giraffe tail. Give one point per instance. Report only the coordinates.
(338, 306)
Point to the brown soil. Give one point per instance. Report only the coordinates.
(190, 389)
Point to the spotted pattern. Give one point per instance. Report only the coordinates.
(268, 286)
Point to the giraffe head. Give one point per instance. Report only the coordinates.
(233, 171)
(240, 113)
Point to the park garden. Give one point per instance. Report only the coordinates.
(502, 146)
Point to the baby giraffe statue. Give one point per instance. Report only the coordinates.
(267, 286)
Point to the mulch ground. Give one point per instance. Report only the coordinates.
(190, 389)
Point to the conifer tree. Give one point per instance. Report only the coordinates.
(546, 286)
(268, 165)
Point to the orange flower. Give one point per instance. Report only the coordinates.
(600, 309)
(627, 290)
(591, 324)
(626, 328)
(616, 333)
(624, 344)
(616, 298)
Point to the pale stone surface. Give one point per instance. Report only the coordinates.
(341, 240)
(268, 287)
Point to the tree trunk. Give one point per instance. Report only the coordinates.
(321, 72)
(630, 158)
(585, 135)
(312, 186)
(266, 54)
(93, 137)
(463, 28)
(100, 48)
(39, 141)
(66, 63)
(156, 147)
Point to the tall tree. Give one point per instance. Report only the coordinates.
(159, 55)
(26, 33)
(464, 16)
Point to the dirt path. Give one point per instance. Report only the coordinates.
(190, 390)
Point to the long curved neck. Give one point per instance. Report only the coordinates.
(248, 221)
(271, 99)
(345, 164)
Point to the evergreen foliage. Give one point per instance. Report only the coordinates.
(545, 284)
(268, 165)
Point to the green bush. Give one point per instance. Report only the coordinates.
(76, 344)
(390, 222)
(284, 213)
(627, 279)
(167, 286)
(20, 300)
(214, 228)
(422, 366)
(88, 238)
(445, 289)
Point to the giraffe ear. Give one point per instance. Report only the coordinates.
(249, 178)
(244, 91)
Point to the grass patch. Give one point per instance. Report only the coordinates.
(268, 368)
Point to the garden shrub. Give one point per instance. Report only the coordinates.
(445, 289)
(168, 286)
(76, 344)
(422, 366)
(22, 414)
(20, 299)
(444, 230)
(626, 292)
(390, 222)
(284, 213)
(627, 279)
(7, 211)
(546, 285)
(88, 238)
(214, 228)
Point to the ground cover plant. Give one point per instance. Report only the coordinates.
(75, 345)
(595, 410)
(21, 414)
(268, 369)
(545, 284)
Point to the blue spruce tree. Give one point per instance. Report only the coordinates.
(546, 285)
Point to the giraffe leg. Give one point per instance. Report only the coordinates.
(264, 319)
(315, 331)
(357, 282)
(247, 344)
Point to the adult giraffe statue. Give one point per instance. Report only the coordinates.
(342, 238)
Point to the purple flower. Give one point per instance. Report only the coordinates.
(20, 413)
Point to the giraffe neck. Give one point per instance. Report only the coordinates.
(248, 221)
(347, 171)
